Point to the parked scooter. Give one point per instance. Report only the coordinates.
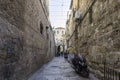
(80, 66)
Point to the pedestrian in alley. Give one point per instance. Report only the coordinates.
(66, 55)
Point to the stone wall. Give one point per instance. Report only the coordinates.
(24, 42)
(99, 39)
(99, 33)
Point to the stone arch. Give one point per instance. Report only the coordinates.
(60, 48)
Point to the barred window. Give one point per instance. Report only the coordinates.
(41, 28)
(90, 16)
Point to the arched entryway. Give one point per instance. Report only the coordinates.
(60, 49)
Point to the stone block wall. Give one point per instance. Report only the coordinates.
(99, 40)
(23, 47)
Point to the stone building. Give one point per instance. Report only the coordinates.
(97, 33)
(26, 37)
(60, 39)
(59, 35)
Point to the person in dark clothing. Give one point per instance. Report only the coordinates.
(58, 51)
(65, 55)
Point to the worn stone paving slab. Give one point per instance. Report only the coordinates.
(58, 69)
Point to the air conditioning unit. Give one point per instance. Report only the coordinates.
(77, 14)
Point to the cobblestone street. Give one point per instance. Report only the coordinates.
(58, 69)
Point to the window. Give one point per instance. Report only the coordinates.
(41, 28)
(47, 27)
(57, 32)
(73, 12)
(47, 32)
(54, 32)
(78, 4)
(50, 44)
(62, 32)
(90, 16)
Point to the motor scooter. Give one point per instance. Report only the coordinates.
(80, 66)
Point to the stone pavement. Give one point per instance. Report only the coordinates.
(58, 69)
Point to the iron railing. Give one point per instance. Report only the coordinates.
(110, 73)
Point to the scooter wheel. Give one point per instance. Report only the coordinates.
(85, 74)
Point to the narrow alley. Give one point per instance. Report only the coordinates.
(36, 34)
(58, 69)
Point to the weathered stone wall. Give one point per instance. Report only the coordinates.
(51, 44)
(23, 47)
(100, 39)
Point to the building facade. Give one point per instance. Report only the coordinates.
(97, 34)
(26, 37)
(59, 36)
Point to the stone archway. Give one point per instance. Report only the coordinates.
(60, 48)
